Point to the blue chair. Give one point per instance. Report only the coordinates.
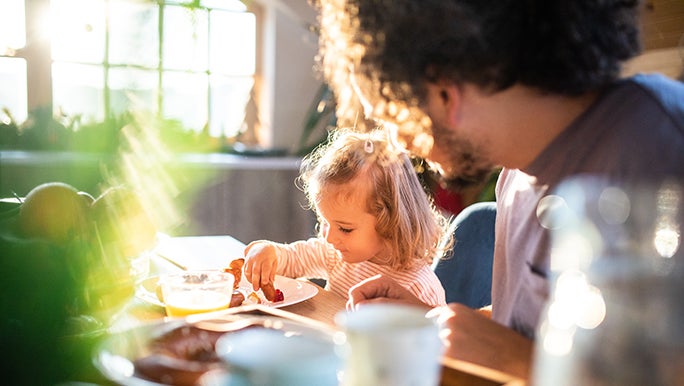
(466, 271)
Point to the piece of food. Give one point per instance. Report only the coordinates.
(237, 299)
(180, 356)
(271, 293)
(168, 370)
(279, 296)
(53, 211)
(254, 298)
(236, 269)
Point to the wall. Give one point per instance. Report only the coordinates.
(290, 82)
(248, 198)
(662, 33)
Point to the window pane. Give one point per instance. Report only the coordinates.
(134, 33)
(229, 104)
(232, 43)
(12, 26)
(78, 33)
(185, 39)
(13, 95)
(185, 98)
(133, 89)
(78, 89)
(231, 5)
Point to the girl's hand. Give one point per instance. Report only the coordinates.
(261, 263)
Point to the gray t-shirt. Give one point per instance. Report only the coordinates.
(633, 132)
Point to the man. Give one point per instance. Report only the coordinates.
(530, 86)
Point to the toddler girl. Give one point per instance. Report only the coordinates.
(374, 218)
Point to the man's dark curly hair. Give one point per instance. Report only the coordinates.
(566, 47)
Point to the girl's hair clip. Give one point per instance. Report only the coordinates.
(368, 146)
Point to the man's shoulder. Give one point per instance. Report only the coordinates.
(667, 92)
(655, 81)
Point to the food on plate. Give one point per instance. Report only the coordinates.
(235, 268)
(54, 211)
(180, 357)
(271, 293)
(254, 298)
(240, 296)
(237, 299)
(279, 296)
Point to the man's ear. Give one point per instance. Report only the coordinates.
(444, 102)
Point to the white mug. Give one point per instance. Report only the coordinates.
(390, 344)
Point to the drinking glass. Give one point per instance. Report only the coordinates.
(194, 292)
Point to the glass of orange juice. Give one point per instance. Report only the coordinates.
(194, 292)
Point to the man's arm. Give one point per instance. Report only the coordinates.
(381, 289)
(473, 337)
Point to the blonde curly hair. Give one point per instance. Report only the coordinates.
(413, 229)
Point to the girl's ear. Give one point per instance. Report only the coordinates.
(443, 103)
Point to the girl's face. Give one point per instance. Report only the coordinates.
(347, 225)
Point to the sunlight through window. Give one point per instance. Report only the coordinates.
(12, 29)
(13, 91)
(190, 62)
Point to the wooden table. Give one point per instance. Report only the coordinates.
(480, 351)
(474, 356)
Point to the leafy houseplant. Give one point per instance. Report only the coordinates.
(45, 132)
(320, 119)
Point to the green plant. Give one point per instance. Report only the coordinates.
(44, 131)
(320, 119)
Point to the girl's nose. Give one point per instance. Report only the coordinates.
(331, 236)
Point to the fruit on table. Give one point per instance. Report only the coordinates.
(123, 222)
(87, 197)
(54, 211)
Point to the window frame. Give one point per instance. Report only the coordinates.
(39, 62)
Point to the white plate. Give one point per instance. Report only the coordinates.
(294, 291)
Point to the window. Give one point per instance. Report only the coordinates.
(190, 61)
(13, 97)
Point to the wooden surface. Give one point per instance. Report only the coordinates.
(477, 345)
(321, 307)
(662, 23)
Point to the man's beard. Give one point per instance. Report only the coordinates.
(465, 165)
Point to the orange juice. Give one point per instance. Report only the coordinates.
(186, 303)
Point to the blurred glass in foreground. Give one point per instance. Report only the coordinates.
(615, 312)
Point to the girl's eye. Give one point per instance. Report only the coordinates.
(345, 230)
